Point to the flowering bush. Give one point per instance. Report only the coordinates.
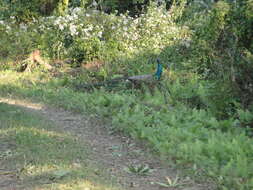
(153, 30)
(84, 35)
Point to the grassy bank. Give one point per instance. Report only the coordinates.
(192, 138)
(36, 154)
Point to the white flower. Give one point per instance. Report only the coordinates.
(125, 22)
(61, 27)
(90, 28)
(73, 30)
(100, 34)
(77, 10)
(23, 27)
(57, 21)
(75, 17)
(186, 43)
(70, 18)
(94, 3)
(136, 21)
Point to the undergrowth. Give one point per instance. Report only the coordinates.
(193, 138)
(206, 49)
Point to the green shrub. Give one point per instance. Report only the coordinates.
(26, 11)
(193, 136)
(86, 35)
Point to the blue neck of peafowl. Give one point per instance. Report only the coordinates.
(159, 71)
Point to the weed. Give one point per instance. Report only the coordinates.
(169, 182)
(139, 169)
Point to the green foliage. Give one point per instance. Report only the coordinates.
(62, 7)
(186, 135)
(78, 3)
(193, 138)
(138, 169)
(17, 41)
(26, 11)
(169, 183)
(206, 48)
(218, 47)
(84, 35)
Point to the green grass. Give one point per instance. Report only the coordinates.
(43, 156)
(192, 138)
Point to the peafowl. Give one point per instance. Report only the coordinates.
(137, 81)
(149, 78)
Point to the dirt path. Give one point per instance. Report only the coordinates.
(112, 152)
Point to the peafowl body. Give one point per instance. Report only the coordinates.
(148, 78)
(137, 81)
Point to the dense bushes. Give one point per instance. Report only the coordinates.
(220, 47)
(85, 35)
(25, 11)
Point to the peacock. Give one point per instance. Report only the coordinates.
(137, 81)
(149, 78)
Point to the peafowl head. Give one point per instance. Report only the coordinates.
(159, 70)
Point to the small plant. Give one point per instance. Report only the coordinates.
(169, 182)
(139, 169)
